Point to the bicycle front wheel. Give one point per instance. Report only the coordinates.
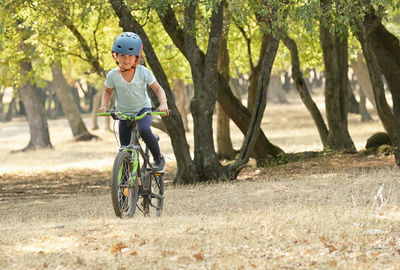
(124, 193)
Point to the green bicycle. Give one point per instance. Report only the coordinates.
(132, 178)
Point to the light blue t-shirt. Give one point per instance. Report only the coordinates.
(131, 97)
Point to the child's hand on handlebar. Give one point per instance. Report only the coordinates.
(102, 110)
(163, 108)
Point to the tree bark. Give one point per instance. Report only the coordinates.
(353, 105)
(336, 89)
(187, 172)
(390, 121)
(276, 93)
(360, 69)
(33, 103)
(386, 47)
(205, 81)
(255, 71)
(11, 110)
(224, 143)
(365, 116)
(96, 105)
(181, 101)
(304, 92)
(71, 110)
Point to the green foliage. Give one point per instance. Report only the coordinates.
(51, 25)
(378, 139)
(280, 159)
(173, 62)
(41, 32)
(284, 158)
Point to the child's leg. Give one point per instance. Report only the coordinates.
(124, 133)
(147, 135)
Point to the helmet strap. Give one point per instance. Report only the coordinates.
(131, 68)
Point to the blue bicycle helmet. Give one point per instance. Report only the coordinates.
(128, 43)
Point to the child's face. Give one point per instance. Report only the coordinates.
(126, 61)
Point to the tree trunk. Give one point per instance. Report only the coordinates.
(354, 106)
(239, 114)
(236, 87)
(389, 120)
(2, 115)
(336, 89)
(96, 105)
(304, 92)
(386, 47)
(287, 85)
(75, 95)
(276, 94)
(7, 116)
(187, 172)
(365, 116)
(33, 103)
(255, 76)
(224, 143)
(11, 110)
(71, 110)
(205, 81)
(181, 100)
(360, 69)
(259, 107)
(263, 148)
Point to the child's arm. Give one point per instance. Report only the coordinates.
(105, 99)
(161, 96)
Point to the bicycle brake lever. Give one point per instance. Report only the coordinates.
(113, 115)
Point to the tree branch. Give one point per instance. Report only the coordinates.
(248, 42)
(174, 30)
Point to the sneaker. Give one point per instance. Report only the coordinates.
(158, 165)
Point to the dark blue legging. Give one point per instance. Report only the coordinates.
(144, 126)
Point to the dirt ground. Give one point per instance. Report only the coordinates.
(339, 211)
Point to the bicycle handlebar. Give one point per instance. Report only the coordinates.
(119, 115)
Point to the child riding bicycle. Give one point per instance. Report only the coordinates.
(129, 81)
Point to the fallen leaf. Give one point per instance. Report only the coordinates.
(118, 247)
(198, 256)
(374, 254)
(324, 241)
(142, 243)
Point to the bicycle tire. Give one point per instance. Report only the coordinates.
(124, 196)
(157, 193)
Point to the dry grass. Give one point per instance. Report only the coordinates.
(338, 212)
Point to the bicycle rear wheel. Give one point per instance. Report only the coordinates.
(155, 199)
(124, 195)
